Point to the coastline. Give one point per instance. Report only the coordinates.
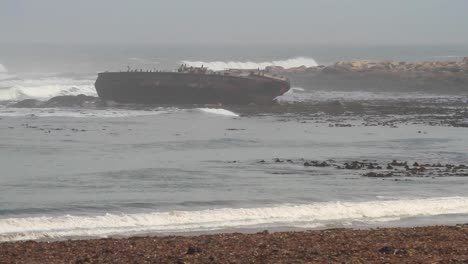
(388, 167)
(391, 245)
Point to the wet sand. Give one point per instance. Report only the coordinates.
(436, 244)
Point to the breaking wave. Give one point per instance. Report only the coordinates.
(306, 216)
(14, 89)
(222, 65)
(218, 111)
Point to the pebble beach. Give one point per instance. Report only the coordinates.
(435, 244)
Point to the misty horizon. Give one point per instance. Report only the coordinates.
(432, 22)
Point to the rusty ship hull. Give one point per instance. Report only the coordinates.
(188, 88)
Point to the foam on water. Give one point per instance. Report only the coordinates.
(79, 112)
(218, 111)
(298, 94)
(222, 65)
(107, 113)
(297, 89)
(44, 88)
(304, 215)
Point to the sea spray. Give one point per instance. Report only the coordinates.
(222, 65)
(44, 88)
(218, 111)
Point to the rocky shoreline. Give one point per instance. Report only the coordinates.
(435, 244)
(431, 76)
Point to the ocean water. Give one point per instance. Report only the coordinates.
(80, 172)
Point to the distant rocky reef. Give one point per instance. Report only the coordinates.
(431, 76)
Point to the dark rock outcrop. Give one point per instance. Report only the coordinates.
(71, 101)
(28, 103)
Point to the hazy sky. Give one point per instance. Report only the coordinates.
(235, 21)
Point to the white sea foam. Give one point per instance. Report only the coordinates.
(81, 112)
(298, 94)
(298, 89)
(306, 215)
(110, 112)
(218, 111)
(44, 88)
(222, 65)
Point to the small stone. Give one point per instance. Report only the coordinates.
(387, 250)
(193, 250)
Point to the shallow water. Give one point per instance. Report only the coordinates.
(123, 170)
(179, 170)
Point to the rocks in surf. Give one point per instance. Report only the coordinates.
(80, 100)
